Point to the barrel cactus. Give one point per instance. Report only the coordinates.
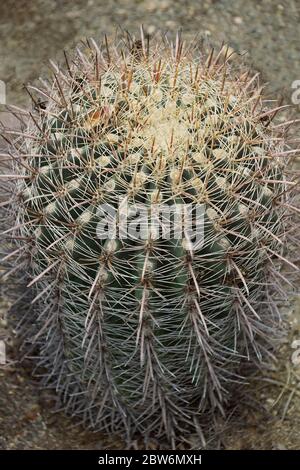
(145, 333)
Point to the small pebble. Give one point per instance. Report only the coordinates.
(151, 29)
(238, 20)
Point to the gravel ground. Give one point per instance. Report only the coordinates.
(31, 32)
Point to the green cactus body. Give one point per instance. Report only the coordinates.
(147, 335)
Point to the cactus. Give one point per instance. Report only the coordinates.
(147, 335)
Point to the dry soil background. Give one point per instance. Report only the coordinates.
(31, 32)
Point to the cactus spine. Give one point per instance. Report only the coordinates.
(147, 335)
